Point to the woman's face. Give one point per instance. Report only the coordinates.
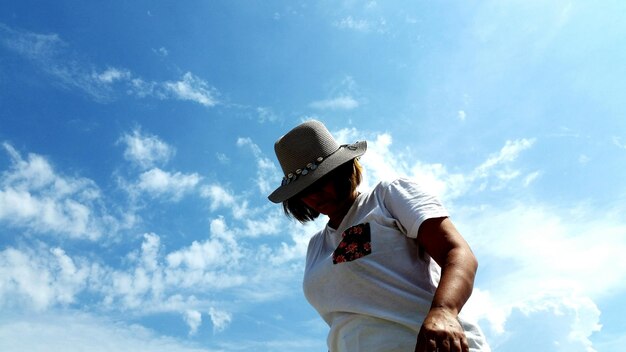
(322, 197)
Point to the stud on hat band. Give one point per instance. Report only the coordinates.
(292, 176)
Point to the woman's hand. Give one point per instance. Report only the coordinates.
(441, 332)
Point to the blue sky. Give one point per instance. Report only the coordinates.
(137, 154)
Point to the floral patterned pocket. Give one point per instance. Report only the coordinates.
(356, 243)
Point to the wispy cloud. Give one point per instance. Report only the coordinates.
(266, 114)
(194, 89)
(111, 75)
(339, 103)
(496, 172)
(50, 54)
(220, 319)
(267, 174)
(362, 25)
(188, 88)
(342, 96)
(618, 142)
(351, 23)
(508, 153)
(161, 51)
(33, 46)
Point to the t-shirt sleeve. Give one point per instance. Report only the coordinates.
(411, 205)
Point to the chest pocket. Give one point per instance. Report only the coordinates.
(355, 244)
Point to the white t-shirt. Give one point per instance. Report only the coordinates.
(371, 285)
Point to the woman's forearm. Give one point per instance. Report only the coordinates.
(457, 280)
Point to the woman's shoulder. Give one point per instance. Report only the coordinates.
(393, 189)
(396, 182)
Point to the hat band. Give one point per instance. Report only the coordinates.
(294, 176)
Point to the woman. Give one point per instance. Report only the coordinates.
(389, 272)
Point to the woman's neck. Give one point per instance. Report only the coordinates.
(335, 219)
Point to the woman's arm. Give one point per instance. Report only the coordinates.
(441, 330)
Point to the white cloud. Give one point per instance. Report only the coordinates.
(378, 159)
(35, 197)
(270, 224)
(508, 153)
(193, 318)
(152, 281)
(188, 88)
(194, 89)
(381, 162)
(50, 54)
(221, 250)
(31, 45)
(146, 150)
(252, 222)
(40, 278)
(351, 23)
(497, 171)
(161, 51)
(267, 175)
(247, 142)
(530, 178)
(76, 332)
(159, 183)
(567, 323)
(179, 281)
(111, 75)
(300, 234)
(339, 103)
(618, 142)
(556, 261)
(266, 115)
(342, 96)
(220, 319)
(543, 267)
(219, 196)
(549, 243)
(222, 158)
(143, 285)
(371, 5)
(143, 89)
(361, 25)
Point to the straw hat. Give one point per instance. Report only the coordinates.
(306, 153)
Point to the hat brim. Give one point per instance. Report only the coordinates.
(344, 154)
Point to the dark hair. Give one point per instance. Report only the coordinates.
(346, 178)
